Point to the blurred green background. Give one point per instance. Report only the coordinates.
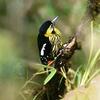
(19, 24)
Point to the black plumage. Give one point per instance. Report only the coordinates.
(44, 45)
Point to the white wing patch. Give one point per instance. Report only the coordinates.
(42, 50)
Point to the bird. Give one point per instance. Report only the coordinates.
(49, 41)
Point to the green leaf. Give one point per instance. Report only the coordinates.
(50, 76)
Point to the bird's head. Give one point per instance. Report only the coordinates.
(48, 28)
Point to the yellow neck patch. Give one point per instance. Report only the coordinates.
(49, 32)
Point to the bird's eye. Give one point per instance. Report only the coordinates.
(53, 32)
(52, 25)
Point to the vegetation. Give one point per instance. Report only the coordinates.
(21, 75)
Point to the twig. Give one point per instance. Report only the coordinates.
(34, 75)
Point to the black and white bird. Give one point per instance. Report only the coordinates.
(49, 41)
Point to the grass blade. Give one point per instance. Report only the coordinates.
(96, 72)
(91, 48)
(50, 76)
(90, 68)
(35, 97)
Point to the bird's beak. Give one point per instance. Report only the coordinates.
(54, 21)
